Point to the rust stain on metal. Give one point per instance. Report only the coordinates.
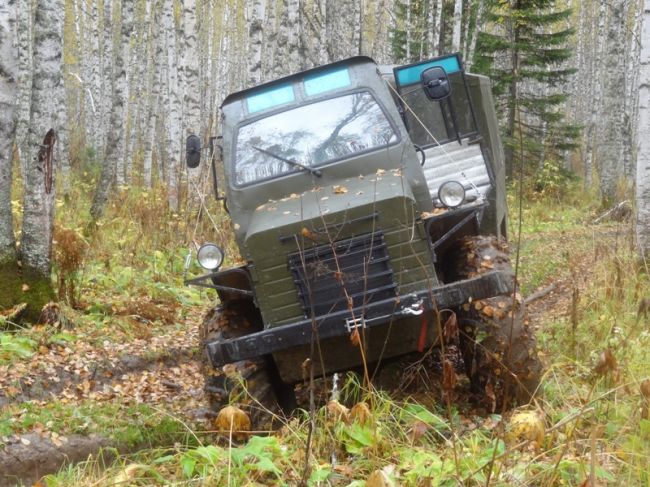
(46, 158)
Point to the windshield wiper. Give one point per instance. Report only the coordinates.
(315, 172)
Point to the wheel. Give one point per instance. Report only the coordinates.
(254, 384)
(498, 346)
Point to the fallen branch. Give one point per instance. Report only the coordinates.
(541, 293)
(622, 207)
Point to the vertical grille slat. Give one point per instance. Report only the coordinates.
(358, 268)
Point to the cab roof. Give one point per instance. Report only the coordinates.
(302, 75)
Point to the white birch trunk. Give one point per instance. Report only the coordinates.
(191, 106)
(458, 22)
(469, 60)
(593, 132)
(156, 55)
(39, 178)
(25, 19)
(174, 106)
(256, 37)
(115, 138)
(643, 155)
(8, 91)
(437, 25)
(93, 75)
(107, 81)
(293, 35)
(123, 79)
(611, 150)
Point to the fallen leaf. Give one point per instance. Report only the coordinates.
(418, 430)
(25, 288)
(355, 338)
(606, 363)
(379, 478)
(25, 441)
(360, 413)
(129, 473)
(340, 189)
(337, 411)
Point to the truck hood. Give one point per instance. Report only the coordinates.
(328, 205)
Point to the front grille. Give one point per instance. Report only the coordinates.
(357, 269)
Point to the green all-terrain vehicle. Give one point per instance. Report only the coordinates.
(367, 202)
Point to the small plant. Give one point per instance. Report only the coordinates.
(14, 346)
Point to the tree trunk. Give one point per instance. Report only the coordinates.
(156, 55)
(458, 23)
(174, 106)
(191, 107)
(256, 36)
(24, 25)
(123, 76)
(115, 138)
(437, 27)
(8, 90)
(39, 177)
(643, 156)
(611, 149)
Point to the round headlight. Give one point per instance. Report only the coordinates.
(210, 256)
(451, 194)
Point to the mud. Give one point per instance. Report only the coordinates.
(26, 458)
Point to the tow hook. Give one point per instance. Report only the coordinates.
(416, 309)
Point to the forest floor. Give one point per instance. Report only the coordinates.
(122, 375)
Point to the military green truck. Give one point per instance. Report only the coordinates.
(367, 202)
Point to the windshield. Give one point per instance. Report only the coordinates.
(309, 136)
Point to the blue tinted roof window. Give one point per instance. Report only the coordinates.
(322, 82)
(270, 98)
(411, 74)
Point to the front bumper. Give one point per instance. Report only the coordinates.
(377, 314)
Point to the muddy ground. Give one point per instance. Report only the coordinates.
(162, 371)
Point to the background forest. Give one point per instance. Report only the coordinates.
(98, 209)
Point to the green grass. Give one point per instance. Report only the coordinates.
(126, 425)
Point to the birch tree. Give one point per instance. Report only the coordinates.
(457, 24)
(39, 176)
(611, 147)
(8, 91)
(25, 38)
(255, 36)
(115, 138)
(643, 155)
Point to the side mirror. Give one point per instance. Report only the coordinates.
(435, 83)
(193, 151)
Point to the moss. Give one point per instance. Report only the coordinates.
(18, 286)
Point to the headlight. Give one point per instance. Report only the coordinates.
(210, 256)
(451, 194)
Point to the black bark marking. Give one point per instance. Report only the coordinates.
(46, 156)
